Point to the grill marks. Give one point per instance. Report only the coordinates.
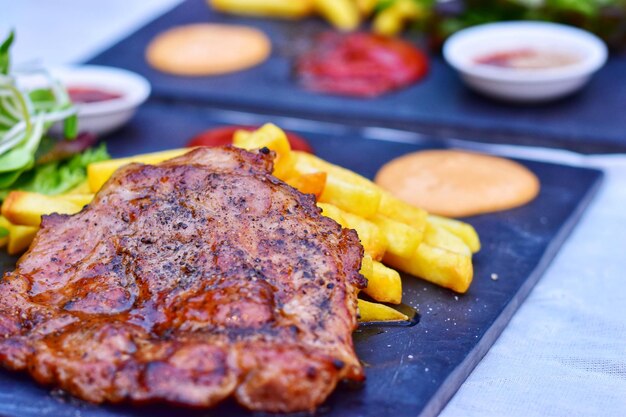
(188, 282)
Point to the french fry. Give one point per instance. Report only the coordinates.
(439, 266)
(394, 208)
(82, 188)
(344, 189)
(367, 266)
(80, 200)
(309, 183)
(463, 230)
(388, 22)
(384, 284)
(402, 239)
(373, 240)
(392, 19)
(334, 213)
(271, 137)
(342, 14)
(366, 7)
(350, 197)
(99, 172)
(25, 208)
(369, 311)
(441, 238)
(287, 9)
(5, 226)
(410, 9)
(20, 238)
(307, 162)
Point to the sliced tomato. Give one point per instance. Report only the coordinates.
(220, 136)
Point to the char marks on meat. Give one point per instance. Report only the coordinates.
(188, 282)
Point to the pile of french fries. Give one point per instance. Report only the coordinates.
(342, 14)
(395, 235)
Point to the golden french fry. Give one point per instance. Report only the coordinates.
(25, 208)
(356, 194)
(402, 239)
(334, 213)
(373, 240)
(383, 284)
(439, 266)
(99, 172)
(271, 137)
(309, 183)
(288, 9)
(367, 266)
(410, 9)
(350, 197)
(80, 200)
(391, 20)
(307, 162)
(82, 188)
(342, 14)
(5, 227)
(366, 7)
(394, 208)
(369, 311)
(388, 22)
(345, 189)
(441, 238)
(20, 238)
(463, 230)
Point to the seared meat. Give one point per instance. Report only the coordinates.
(188, 282)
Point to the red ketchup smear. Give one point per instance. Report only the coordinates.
(224, 136)
(360, 65)
(90, 95)
(505, 59)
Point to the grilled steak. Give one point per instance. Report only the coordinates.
(188, 282)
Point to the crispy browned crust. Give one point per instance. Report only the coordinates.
(188, 282)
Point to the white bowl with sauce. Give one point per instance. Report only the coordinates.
(106, 97)
(525, 61)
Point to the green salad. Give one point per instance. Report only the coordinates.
(441, 18)
(30, 159)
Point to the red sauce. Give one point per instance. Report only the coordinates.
(224, 136)
(90, 95)
(527, 59)
(360, 65)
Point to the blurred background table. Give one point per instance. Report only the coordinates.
(563, 354)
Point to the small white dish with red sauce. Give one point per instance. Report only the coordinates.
(525, 61)
(106, 98)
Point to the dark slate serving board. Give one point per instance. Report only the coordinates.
(591, 121)
(411, 370)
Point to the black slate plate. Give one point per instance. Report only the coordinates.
(588, 122)
(411, 371)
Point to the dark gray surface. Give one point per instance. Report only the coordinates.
(454, 332)
(590, 121)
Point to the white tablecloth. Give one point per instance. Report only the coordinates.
(564, 352)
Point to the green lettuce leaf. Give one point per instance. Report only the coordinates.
(59, 176)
